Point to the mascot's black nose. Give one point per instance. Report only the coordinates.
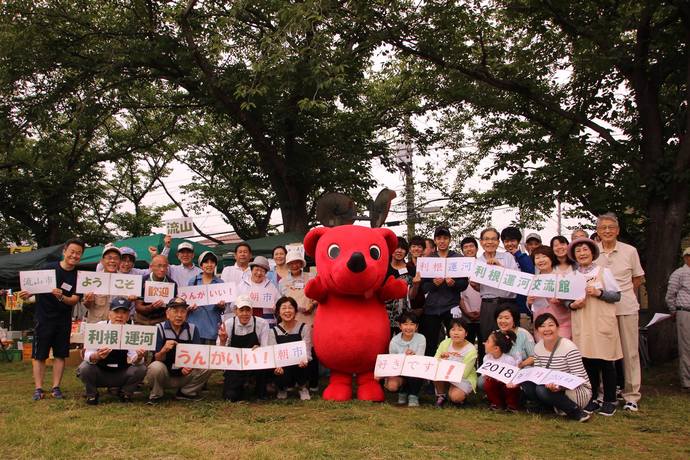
(357, 263)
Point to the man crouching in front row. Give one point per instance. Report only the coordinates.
(105, 367)
(162, 373)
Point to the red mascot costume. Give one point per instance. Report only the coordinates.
(351, 325)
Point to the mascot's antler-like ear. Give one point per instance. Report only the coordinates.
(390, 237)
(313, 237)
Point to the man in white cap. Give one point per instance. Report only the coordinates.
(243, 331)
(107, 368)
(624, 262)
(678, 302)
(260, 289)
(186, 271)
(98, 305)
(532, 242)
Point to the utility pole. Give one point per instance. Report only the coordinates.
(404, 162)
(558, 216)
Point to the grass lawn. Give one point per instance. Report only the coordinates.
(317, 429)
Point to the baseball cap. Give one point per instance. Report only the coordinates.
(110, 248)
(127, 251)
(185, 245)
(533, 236)
(118, 303)
(243, 301)
(177, 302)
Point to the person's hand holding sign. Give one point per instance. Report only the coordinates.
(101, 354)
(158, 304)
(169, 345)
(222, 334)
(593, 291)
(140, 355)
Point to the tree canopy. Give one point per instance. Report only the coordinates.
(271, 104)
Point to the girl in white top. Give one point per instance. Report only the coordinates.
(407, 342)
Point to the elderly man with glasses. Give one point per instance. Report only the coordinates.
(624, 262)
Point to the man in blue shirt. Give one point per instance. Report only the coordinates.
(511, 237)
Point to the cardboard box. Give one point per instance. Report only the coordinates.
(76, 356)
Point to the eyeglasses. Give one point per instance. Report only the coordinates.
(489, 239)
(607, 227)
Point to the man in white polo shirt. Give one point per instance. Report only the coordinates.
(186, 271)
(624, 262)
(240, 270)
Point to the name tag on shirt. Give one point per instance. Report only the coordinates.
(66, 286)
(298, 285)
(402, 271)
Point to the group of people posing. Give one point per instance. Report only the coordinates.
(594, 337)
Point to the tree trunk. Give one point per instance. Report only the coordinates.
(663, 236)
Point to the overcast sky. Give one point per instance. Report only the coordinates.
(212, 222)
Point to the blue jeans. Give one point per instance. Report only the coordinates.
(546, 397)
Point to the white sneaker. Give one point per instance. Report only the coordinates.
(631, 406)
(304, 394)
(282, 394)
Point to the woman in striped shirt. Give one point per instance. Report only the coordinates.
(561, 354)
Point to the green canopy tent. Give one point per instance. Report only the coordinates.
(141, 245)
(12, 264)
(260, 246)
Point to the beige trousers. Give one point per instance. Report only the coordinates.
(628, 328)
(159, 378)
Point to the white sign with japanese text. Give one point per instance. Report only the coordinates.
(93, 282)
(289, 354)
(119, 336)
(192, 356)
(158, 290)
(180, 228)
(229, 358)
(424, 367)
(37, 281)
(511, 374)
(125, 285)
